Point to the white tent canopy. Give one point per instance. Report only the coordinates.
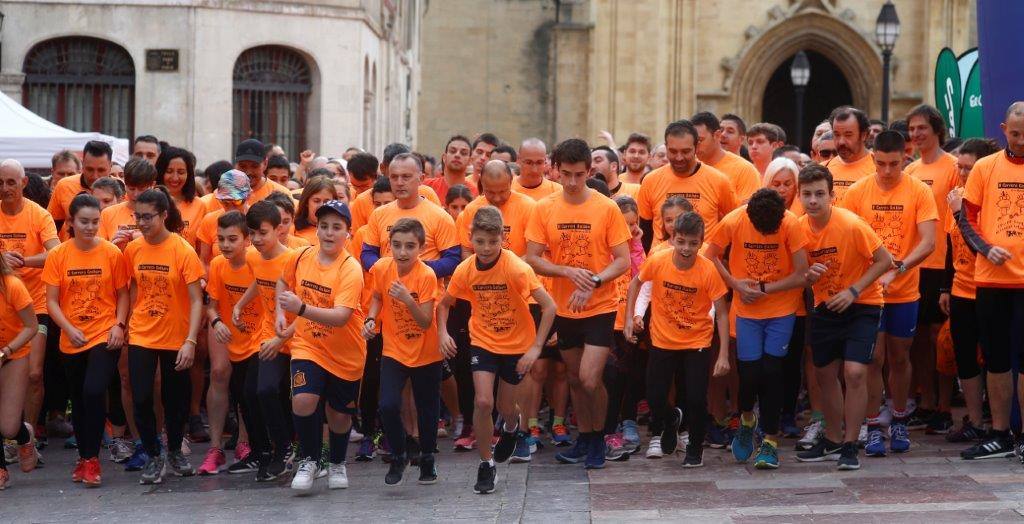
(32, 140)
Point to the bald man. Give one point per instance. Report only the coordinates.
(533, 165)
(27, 233)
(496, 183)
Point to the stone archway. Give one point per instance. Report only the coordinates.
(821, 32)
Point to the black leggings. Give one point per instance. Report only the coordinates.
(793, 367)
(273, 392)
(963, 328)
(115, 405)
(458, 329)
(244, 387)
(88, 374)
(55, 393)
(760, 380)
(369, 396)
(175, 392)
(661, 370)
(426, 393)
(998, 311)
(624, 379)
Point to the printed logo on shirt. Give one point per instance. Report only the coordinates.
(887, 221)
(84, 287)
(762, 260)
(13, 242)
(250, 316)
(1010, 209)
(316, 295)
(574, 243)
(678, 302)
(405, 324)
(154, 291)
(494, 307)
(829, 282)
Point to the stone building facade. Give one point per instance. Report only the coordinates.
(205, 74)
(563, 68)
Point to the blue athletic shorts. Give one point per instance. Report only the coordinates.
(756, 337)
(900, 320)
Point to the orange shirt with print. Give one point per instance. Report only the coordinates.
(14, 298)
(162, 274)
(87, 282)
(845, 175)
(27, 233)
(941, 177)
(192, 214)
(515, 215)
(118, 217)
(707, 189)
(963, 263)
(580, 236)
(266, 274)
(743, 175)
(500, 298)
(362, 205)
(545, 188)
(404, 340)
(681, 301)
(763, 258)
(996, 186)
(846, 246)
(226, 285)
(895, 215)
(341, 350)
(437, 223)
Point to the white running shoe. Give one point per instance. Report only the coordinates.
(305, 474)
(654, 448)
(337, 477)
(812, 433)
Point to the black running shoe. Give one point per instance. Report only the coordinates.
(670, 434)
(428, 471)
(395, 470)
(967, 432)
(506, 445)
(848, 459)
(485, 475)
(998, 446)
(823, 451)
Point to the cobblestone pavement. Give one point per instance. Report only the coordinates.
(928, 484)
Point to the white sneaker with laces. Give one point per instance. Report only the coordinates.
(337, 477)
(812, 433)
(654, 448)
(305, 474)
(862, 437)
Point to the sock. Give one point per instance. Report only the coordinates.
(310, 433)
(748, 423)
(22, 436)
(772, 441)
(559, 421)
(873, 422)
(505, 428)
(818, 416)
(489, 462)
(899, 415)
(532, 423)
(339, 446)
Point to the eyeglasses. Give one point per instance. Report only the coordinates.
(827, 153)
(145, 217)
(233, 202)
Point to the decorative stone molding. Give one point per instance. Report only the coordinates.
(10, 84)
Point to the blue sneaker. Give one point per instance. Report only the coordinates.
(595, 454)
(900, 436)
(767, 456)
(743, 443)
(718, 436)
(875, 446)
(576, 454)
(522, 451)
(560, 436)
(630, 436)
(788, 426)
(138, 459)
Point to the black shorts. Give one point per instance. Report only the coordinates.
(848, 336)
(549, 351)
(598, 330)
(504, 366)
(308, 377)
(931, 282)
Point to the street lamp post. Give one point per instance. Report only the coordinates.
(887, 31)
(800, 74)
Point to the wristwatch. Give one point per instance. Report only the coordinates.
(368, 320)
(596, 280)
(900, 267)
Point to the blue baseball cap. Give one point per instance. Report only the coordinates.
(338, 207)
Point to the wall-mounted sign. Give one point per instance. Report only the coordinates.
(161, 60)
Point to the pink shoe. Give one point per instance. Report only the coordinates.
(213, 461)
(242, 450)
(465, 442)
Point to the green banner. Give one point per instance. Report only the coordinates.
(972, 119)
(948, 91)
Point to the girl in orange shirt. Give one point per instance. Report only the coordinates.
(87, 297)
(317, 191)
(17, 327)
(165, 284)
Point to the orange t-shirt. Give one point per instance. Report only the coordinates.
(404, 340)
(226, 285)
(15, 298)
(308, 235)
(340, 350)
(63, 193)
(681, 301)
(545, 188)
(844, 175)
(708, 190)
(355, 247)
(437, 223)
(27, 233)
(192, 214)
(846, 246)
(117, 217)
(515, 215)
(88, 282)
(162, 274)
(500, 298)
(963, 263)
(211, 203)
(266, 273)
(268, 187)
(743, 175)
(362, 205)
(764, 258)
(581, 236)
(441, 187)
(295, 242)
(941, 176)
(895, 215)
(628, 189)
(996, 185)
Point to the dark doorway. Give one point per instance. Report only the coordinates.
(826, 90)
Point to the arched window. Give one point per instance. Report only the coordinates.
(84, 84)
(272, 86)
